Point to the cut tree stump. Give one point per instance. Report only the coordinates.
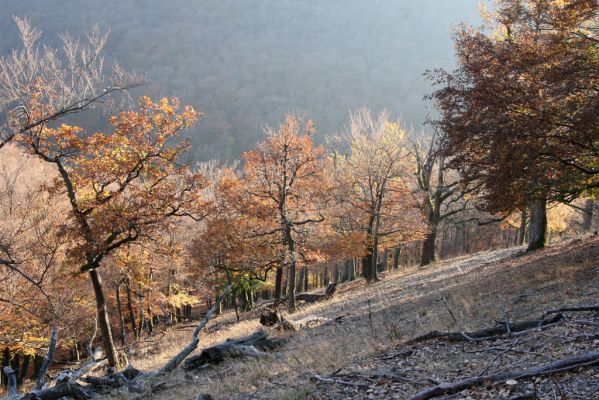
(312, 298)
(252, 346)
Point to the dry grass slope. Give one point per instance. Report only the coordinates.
(376, 319)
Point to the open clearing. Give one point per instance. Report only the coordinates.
(368, 324)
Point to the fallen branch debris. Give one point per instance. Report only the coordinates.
(567, 364)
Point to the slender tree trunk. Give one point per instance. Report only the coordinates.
(230, 281)
(291, 306)
(306, 279)
(538, 224)
(278, 285)
(103, 319)
(396, 254)
(300, 280)
(119, 308)
(130, 307)
(587, 219)
(140, 312)
(522, 229)
(149, 303)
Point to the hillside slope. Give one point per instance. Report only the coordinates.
(370, 322)
(245, 64)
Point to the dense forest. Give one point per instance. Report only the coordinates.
(244, 66)
(114, 234)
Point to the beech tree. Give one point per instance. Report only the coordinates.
(374, 188)
(120, 186)
(286, 175)
(519, 114)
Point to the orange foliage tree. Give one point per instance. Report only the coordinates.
(285, 176)
(120, 186)
(373, 187)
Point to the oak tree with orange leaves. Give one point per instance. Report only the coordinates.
(286, 176)
(121, 186)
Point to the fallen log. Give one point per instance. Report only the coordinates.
(488, 333)
(252, 346)
(195, 337)
(311, 298)
(564, 365)
(66, 389)
(572, 309)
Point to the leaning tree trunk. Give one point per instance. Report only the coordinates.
(103, 319)
(522, 229)
(538, 224)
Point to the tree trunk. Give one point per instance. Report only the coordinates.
(522, 229)
(130, 307)
(119, 308)
(396, 254)
(278, 285)
(140, 312)
(103, 319)
(149, 304)
(230, 281)
(428, 247)
(306, 279)
(300, 281)
(587, 219)
(538, 224)
(41, 378)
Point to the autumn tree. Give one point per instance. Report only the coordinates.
(374, 186)
(519, 114)
(225, 246)
(38, 293)
(446, 195)
(285, 176)
(41, 84)
(121, 186)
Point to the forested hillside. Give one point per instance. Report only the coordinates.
(245, 65)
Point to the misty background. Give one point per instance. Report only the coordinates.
(245, 63)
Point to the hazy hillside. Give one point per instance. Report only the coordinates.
(245, 63)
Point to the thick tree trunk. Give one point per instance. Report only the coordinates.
(522, 229)
(428, 247)
(587, 219)
(367, 266)
(278, 284)
(538, 224)
(119, 308)
(103, 319)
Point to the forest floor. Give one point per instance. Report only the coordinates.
(360, 351)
